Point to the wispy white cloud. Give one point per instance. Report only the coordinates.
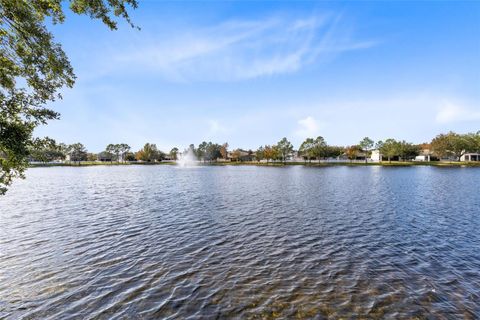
(241, 49)
(307, 127)
(451, 112)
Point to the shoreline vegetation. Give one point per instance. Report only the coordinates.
(450, 149)
(445, 150)
(270, 164)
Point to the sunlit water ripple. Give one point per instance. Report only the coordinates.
(142, 242)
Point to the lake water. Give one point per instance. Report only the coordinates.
(142, 242)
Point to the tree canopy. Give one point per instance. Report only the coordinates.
(314, 148)
(366, 144)
(77, 152)
(174, 153)
(33, 68)
(285, 148)
(149, 153)
(306, 149)
(352, 151)
(45, 150)
(455, 145)
(391, 148)
(119, 150)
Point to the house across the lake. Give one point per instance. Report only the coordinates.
(426, 154)
(241, 155)
(295, 157)
(376, 156)
(470, 157)
(105, 156)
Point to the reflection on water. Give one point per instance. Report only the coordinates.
(249, 242)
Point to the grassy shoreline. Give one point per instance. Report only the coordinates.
(270, 164)
(94, 163)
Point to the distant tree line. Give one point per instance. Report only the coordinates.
(449, 145)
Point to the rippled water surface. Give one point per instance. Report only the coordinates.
(142, 242)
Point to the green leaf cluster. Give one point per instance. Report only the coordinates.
(453, 144)
(34, 68)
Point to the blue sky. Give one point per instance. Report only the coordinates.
(251, 72)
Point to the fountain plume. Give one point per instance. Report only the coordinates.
(187, 158)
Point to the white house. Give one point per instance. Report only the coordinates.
(376, 156)
(425, 154)
(470, 157)
(295, 157)
(423, 157)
